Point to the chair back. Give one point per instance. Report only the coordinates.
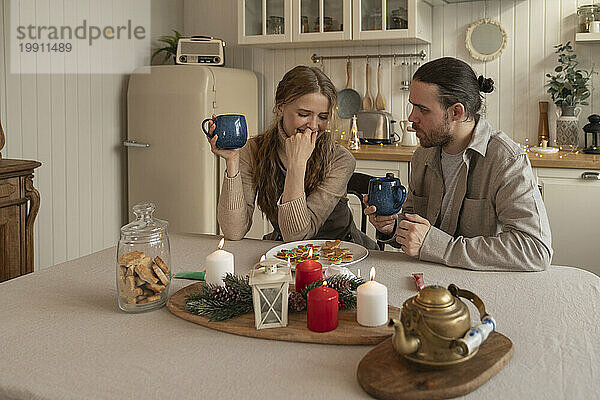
(358, 185)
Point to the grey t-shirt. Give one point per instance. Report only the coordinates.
(451, 164)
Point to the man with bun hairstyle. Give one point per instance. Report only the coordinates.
(472, 201)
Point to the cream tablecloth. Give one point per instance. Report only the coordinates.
(62, 336)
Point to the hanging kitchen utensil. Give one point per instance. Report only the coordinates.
(379, 101)
(367, 103)
(405, 73)
(348, 99)
(348, 73)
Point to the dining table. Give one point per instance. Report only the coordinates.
(63, 336)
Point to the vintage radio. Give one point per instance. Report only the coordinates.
(201, 50)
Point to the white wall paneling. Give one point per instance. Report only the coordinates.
(74, 125)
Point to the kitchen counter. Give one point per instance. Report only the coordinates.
(562, 159)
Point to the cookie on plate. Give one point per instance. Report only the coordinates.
(348, 257)
(332, 244)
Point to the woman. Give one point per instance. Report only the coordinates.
(294, 171)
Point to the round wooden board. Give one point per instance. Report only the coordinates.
(384, 374)
(347, 332)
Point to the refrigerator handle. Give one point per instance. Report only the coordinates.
(133, 143)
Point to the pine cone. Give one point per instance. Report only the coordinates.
(340, 285)
(296, 302)
(224, 294)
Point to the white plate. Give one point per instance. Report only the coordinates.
(360, 252)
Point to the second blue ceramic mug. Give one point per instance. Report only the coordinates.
(231, 129)
(386, 194)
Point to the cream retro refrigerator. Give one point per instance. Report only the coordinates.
(169, 158)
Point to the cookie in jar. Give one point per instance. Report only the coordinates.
(143, 262)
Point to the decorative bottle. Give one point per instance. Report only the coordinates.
(543, 131)
(354, 142)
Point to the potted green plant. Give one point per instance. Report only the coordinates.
(568, 87)
(170, 50)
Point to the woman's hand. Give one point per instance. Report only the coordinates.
(299, 147)
(231, 156)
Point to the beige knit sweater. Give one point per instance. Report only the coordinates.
(299, 219)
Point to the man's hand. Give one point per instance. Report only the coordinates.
(383, 223)
(411, 233)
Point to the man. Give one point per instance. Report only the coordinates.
(472, 200)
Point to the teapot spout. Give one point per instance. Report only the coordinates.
(401, 343)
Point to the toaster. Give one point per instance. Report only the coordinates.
(375, 127)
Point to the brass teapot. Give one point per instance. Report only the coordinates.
(435, 327)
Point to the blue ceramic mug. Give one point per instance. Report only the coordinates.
(386, 194)
(231, 129)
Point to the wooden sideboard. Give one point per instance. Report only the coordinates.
(19, 205)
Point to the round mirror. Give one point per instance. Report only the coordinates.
(485, 39)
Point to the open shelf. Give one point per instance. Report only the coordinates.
(587, 37)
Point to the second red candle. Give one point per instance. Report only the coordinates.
(322, 309)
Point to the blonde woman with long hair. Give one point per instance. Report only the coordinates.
(294, 171)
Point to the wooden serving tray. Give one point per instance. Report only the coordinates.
(347, 332)
(384, 374)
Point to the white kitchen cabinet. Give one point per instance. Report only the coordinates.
(572, 203)
(321, 20)
(264, 21)
(304, 23)
(392, 20)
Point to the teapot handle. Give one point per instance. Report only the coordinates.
(474, 337)
(472, 297)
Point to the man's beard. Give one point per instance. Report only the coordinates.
(438, 136)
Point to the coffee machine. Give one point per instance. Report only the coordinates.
(593, 129)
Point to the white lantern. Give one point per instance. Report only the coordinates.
(270, 285)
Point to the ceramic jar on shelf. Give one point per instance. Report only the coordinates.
(586, 15)
(567, 126)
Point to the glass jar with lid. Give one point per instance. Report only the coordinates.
(585, 15)
(275, 25)
(143, 262)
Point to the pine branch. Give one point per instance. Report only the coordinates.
(239, 283)
(218, 310)
(355, 282)
(347, 297)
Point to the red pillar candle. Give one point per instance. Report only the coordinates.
(307, 272)
(322, 309)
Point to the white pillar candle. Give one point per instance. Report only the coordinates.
(218, 264)
(372, 303)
